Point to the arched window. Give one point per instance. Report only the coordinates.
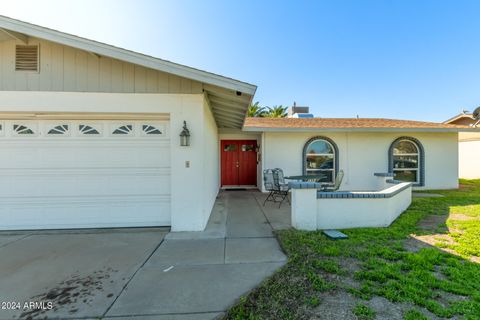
(406, 160)
(320, 158)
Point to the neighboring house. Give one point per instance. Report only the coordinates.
(90, 137)
(299, 112)
(468, 146)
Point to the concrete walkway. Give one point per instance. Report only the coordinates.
(199, 275)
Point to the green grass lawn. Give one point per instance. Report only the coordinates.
(425, 265)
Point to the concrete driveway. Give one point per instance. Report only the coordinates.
(141, 273)
(81, 274)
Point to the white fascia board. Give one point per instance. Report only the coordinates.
(245, 118)
(260, 129)
(126, 55)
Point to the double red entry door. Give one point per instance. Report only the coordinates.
(239, 162)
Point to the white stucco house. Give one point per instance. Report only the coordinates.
(90, 137)
(468, 146)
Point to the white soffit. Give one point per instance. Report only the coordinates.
(228, 107)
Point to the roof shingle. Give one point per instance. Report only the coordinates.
(345, 123)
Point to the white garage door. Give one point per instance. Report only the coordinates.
(82, 174)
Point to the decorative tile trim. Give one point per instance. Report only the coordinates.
(304, 185)
(366, 194)
(304, 152)
(422, 158)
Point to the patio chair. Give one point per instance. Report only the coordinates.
(269, 184)
(281, 188)
(334, 187)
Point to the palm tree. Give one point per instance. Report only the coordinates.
(277, 112)
(255, 110)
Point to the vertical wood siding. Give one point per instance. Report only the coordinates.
(63, 68)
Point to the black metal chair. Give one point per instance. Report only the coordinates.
(269, 185)
(281, 188)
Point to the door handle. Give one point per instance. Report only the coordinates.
(238, 164)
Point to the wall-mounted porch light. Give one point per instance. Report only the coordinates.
(185, 136)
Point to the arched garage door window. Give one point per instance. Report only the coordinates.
(406, 160)
(320, 157)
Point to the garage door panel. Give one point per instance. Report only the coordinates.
(75, 181)
(84, 185)
(73, 156)
(87, 214)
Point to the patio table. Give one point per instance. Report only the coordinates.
(311, 177)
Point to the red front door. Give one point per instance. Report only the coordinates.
(239, 162)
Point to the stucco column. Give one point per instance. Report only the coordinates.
(304, 208)
(187, 166)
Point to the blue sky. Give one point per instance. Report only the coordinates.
(395, 59)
